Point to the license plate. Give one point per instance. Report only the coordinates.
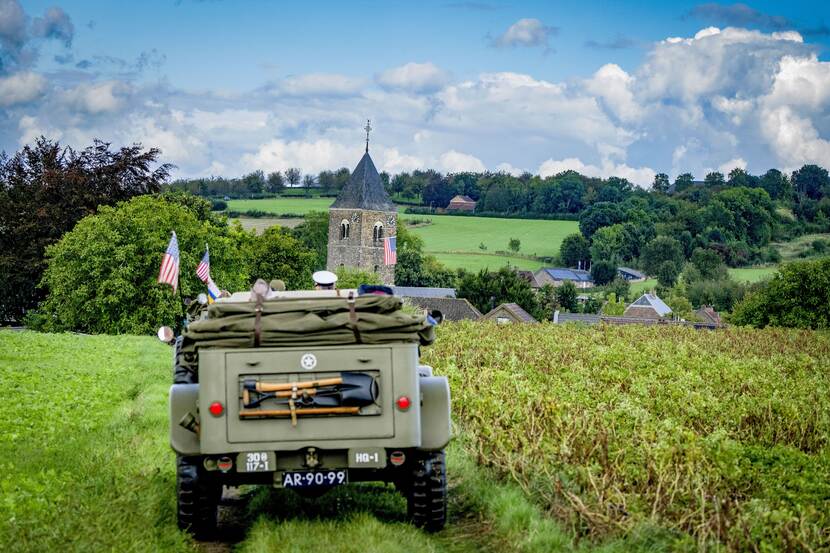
(314, 479)
(256, 461)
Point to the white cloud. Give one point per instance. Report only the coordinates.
(736, 163)
(21, 88)
(614, 86)
(525, 32)
(457, 162)
(509, 169)
(414, 77)
(320, 84)
(310, 156)
(95, 98)
(229, 119)
(392, 161)
(642, 176)
(31, 129)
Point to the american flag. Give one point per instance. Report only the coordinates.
(169, 272)
(390, 254)
(203, 270)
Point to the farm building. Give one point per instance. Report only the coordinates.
(631, 275)
(462, 203)
(647, 306)
(509, 313)
(707, 314)
(453, 309)
(584, 318)
(529, 277)
(557, 276)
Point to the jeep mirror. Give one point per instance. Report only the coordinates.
(165, 334)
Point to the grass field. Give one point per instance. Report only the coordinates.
(753, 274)
(790, 250)
(279, 206)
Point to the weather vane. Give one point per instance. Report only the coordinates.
(367, 128)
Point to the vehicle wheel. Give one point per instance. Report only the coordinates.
(196, 496)
(181, 369)
(426, 493)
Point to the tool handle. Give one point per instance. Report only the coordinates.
(266, 387)
(305, 411)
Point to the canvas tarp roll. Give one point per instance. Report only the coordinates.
(308, 322)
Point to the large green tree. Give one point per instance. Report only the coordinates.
(101, 276)
(575, 250)
(486, 290)
(313, 232)
(45, 189)
(660, 250)
(277, 254)
(798, 296)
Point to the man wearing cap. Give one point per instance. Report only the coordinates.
(324, 280)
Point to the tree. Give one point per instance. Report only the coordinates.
(811, 181)
(254, 182)
(277, 254)
(776, 184)
(607, 244)
(683, 182)
(662, 249)
(708, 264)
(514, 244)
(101, 276)
(486, 290)
(619, 287)
(45, 189)
(598, 215)
(566, 297)
(713, 179)
(275, 183)
(292, 175)
(614, 305)
(661, 183)
(574, 251)
(667, 273)
(798, 296)
(603, 272)
(313, 233)
(738, 177)
(308, 183)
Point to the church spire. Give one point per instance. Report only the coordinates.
(367, 128)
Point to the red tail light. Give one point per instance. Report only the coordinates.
(216, 409)
(403, 403)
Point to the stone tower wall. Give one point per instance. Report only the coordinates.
(360, 250)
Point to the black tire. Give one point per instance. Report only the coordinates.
(197, 497)
(181, 369)
(426, 492)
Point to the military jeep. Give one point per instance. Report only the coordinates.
(307, 391)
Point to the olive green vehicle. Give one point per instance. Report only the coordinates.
(307, 391)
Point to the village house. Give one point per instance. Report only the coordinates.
(557, 276)
(647, 306)
(462, 203)
(441, 299)
(631, 275)
(507, 313)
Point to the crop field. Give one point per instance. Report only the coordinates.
(697, 440)
(568, 438)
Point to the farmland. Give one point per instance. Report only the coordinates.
(627, 444)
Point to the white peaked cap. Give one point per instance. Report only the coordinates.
(324, 278)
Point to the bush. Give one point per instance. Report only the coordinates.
(348, 277)
(218, 205)
(797, 296)
(101, 276)
(276, 253)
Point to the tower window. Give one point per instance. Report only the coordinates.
(377, 233)
(344, 229)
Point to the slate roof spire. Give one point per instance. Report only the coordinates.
(364, 189)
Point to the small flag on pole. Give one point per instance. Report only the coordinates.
(213, 291)
(390, 254)
(169, 272)
(203, 270)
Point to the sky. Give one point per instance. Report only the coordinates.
(624, 89)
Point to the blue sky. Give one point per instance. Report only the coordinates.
(606, 88)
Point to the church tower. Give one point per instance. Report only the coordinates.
(359, 219)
